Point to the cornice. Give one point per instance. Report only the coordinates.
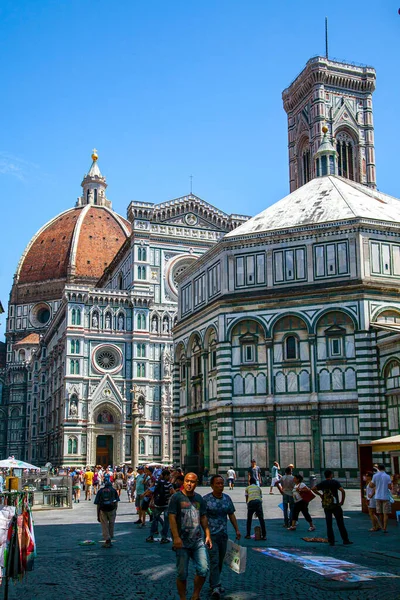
(322, 71)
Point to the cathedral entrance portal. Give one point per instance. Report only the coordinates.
(104, 450)
(106, 436)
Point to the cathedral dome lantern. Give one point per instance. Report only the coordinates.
(326, 156)
(75, 246)
(94, 186)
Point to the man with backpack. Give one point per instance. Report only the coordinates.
(106, 501)
(332, 506)
(161, 495)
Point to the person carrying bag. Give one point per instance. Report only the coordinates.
(302, 497)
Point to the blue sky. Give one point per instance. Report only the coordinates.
(166, 89)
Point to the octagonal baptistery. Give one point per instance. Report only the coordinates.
(76, 246)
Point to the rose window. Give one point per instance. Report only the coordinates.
(175, 267)
(108, 358)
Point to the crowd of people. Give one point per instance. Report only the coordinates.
(196, 527)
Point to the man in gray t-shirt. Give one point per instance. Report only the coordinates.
(285, 485)
(188, 520)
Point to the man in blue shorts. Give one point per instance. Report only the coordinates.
(188, 519)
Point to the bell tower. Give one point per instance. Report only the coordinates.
(338, 96)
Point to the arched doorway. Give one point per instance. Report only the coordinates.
(106, 436)
(104, 443)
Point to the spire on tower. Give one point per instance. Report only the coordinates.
(94, 185)
(94, 170)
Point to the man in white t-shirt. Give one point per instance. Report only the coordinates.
(383, 484)
(231, 478)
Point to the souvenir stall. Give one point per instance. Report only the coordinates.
(17, 538)
(391, 446)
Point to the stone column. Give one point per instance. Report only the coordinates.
(135, 429)
(90, 445)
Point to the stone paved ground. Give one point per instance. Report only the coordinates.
(134, 569)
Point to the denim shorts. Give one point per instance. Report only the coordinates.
(199, 556)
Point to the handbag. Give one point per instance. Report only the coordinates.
(306, 494)
(236, 557)
(390, 497)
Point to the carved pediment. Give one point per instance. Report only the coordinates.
(346, 115)
(106, 393)
(192, 211)
(192, 220)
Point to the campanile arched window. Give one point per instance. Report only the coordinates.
(304, 161)
(345, 148)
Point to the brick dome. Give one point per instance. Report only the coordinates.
(77, 245)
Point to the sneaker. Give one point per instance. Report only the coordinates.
(216, 593)
(107, 544)
(164, 541)
(150, 539)
(138, 522)
(347, 543)
(247, 537)
(311, 528)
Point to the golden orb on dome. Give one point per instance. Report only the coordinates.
(325, 129)
(95, 156)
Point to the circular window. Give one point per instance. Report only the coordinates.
(40, 315)
(174, 268)
(107, 358)
(43, 315)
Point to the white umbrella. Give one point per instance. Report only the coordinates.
(13, 463)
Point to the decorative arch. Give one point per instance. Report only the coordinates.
(72, 445)
(155, 322)
(106, 408)
(391, 373)
(179, 351)
(390, 312)
(289, 315)
(195, 334)
(120, 319)
(233, 324)
(107, 395)
(345, 311)
(210, 334)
